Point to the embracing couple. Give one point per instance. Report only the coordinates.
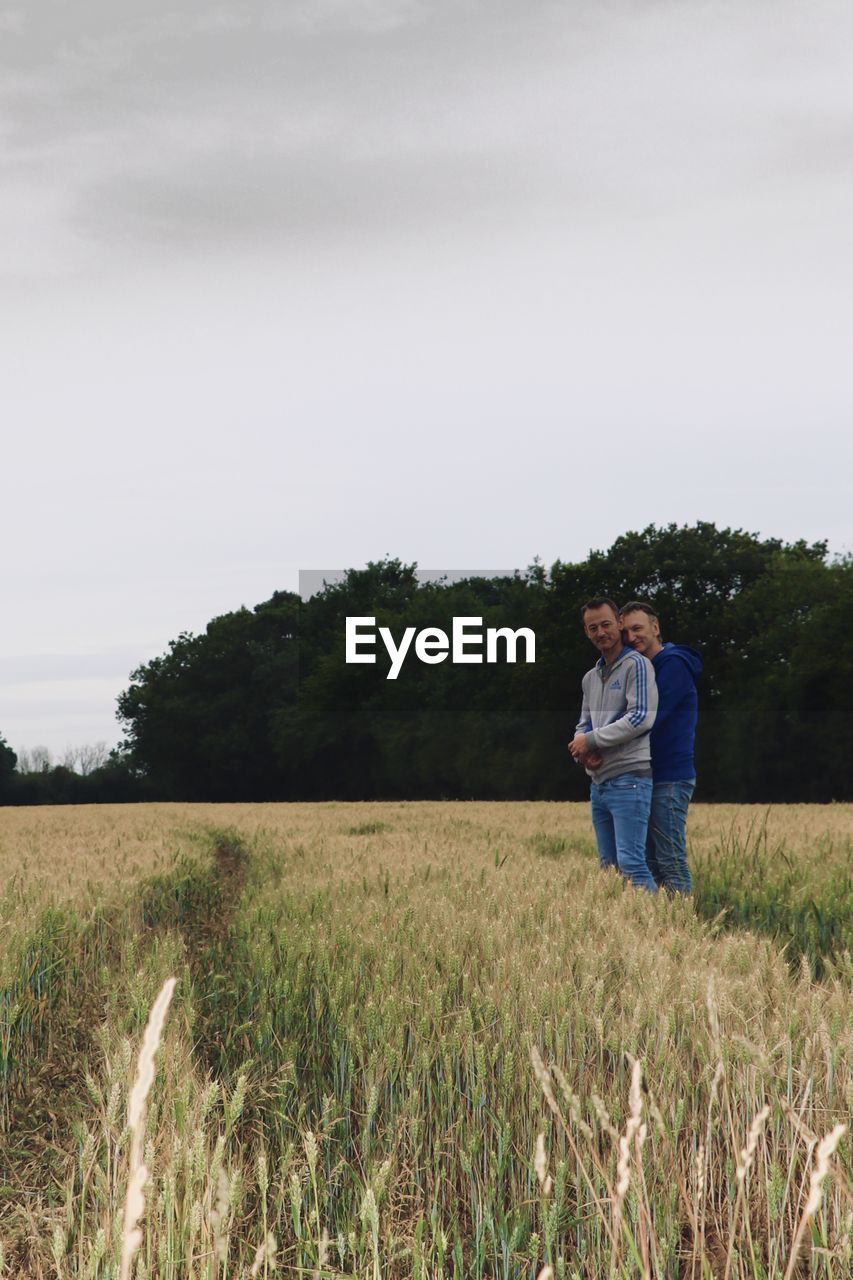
(635, 740)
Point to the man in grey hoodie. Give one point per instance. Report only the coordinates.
(611, 740)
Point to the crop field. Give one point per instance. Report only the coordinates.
(423, 1040)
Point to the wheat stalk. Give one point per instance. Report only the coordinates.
(825, 1149)
(134, 1204)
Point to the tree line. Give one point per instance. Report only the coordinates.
(84, 775)
(263, 705)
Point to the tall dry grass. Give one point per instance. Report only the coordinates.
(63, 853)
(347, 1070)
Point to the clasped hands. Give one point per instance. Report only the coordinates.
(581, 754)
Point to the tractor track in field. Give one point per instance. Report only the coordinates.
(47, 1094)
(228, 875)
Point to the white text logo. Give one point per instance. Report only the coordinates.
(432, 644)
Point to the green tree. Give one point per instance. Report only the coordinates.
(784, 714)
(198, 718)
(264, 705)
(8, 763)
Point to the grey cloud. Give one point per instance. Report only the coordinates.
(370, 16)
(65, 667)
(140, 118)
(443, 240)
(238, 198)
(12, 19)
(144, 123)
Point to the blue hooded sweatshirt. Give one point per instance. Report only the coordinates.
(677, 668)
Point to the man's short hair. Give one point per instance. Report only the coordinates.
(640, 606)
(598, 602)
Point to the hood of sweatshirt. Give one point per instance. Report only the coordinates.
(681, 653)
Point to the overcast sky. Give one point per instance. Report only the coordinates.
(298, 284)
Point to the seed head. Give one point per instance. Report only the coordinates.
(826, 1148)
(748, 1152)
(540, 1164)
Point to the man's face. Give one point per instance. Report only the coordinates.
(641, 631)
(602, 627)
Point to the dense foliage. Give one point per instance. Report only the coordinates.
(114, 781)
(8, 761)
(264, 706)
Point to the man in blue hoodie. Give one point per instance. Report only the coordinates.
(677, 668)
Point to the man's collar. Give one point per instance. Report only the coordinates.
(626, 648)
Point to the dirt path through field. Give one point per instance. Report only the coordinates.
(56, 1030)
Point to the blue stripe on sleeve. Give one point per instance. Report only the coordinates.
(641, 710)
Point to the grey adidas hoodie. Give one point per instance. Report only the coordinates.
(620, 703)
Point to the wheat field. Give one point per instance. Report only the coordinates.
(423, 1039)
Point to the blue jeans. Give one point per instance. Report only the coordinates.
(620, 815)
(666, 850)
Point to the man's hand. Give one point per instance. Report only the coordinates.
(580, 754)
